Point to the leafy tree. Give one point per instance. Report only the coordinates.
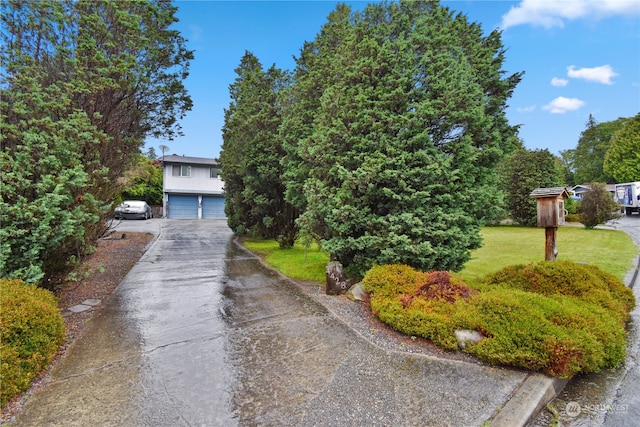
(586, 161)
(143, 181)
(523, 172)
(597, 206)
(622, 160)
(151, 153)
(399, 163)
(251, 153)
(83, 82)
(563, 162)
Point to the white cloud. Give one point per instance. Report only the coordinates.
(559, 82)
(528, 109)
(196, 33)
(561, 105)
(551, 14)
(602, 74)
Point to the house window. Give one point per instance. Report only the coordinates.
(181, 170)
(214, 173)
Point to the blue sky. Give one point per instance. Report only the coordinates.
(580, 57)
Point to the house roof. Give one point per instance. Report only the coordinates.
(581, 188)
(549, 192)
(174, 158)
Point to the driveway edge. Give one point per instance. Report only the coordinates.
(533, 394)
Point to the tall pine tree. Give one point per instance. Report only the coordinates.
(251, 154)
(523, 172)
(398, 166)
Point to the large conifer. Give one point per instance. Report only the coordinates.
(397, 165)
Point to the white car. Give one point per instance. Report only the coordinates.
(133, 209)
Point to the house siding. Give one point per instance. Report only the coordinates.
(199, 185)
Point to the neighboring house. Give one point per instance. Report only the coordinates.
(578, 191)
(192, 188)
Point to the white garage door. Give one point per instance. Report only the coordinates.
(183, 207)
(213, 207)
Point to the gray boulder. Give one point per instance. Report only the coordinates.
(356, 293)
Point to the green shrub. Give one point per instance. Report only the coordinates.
(31, 331)
(391, 279)
(560, 318)
(415, 303)
(558, 335)
(597, 206)
(584, 282)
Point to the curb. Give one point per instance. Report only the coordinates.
(533, 394)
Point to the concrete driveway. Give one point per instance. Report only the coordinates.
(199, 333)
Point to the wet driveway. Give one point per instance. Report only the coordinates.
(201, 334)
(155, 355)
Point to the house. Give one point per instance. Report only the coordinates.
(577, 191)
(192, 188)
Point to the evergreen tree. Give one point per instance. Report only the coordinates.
(398, 166)
(315, 69)
(523, 172)
(251, 154)
(151, 154)
(83, 82)
(622, 160)
(587, 159)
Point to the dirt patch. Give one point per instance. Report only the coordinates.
(99, 275)
(96, 278)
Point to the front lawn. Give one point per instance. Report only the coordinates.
(611, 250)
(299, 263)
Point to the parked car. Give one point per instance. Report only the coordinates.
(133, 209)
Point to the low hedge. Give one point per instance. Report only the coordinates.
(583, 282)
(560, 318)
(31, 331)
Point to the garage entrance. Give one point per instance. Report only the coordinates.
(213, 207)
(182, 206)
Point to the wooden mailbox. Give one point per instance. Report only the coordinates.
(550, 205)
(550, 216)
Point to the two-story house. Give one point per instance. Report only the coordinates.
(192, 188)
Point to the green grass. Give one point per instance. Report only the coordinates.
(611, 250)
(298, 262)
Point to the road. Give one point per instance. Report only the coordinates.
(610, 398)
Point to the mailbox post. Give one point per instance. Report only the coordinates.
(550, 216)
